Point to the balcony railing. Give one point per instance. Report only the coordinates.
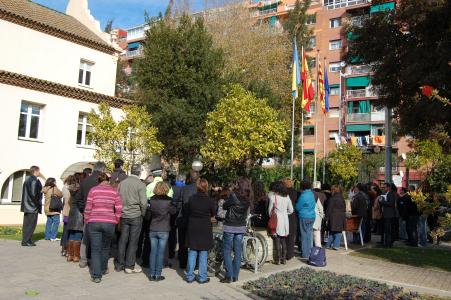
(258, 13)
(334, 4)
(362, 69)
(363, 93)
(358, 117)
(134, 53)
(356, 21)
(377, 116)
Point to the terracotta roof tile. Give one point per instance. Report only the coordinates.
(41, 18)
(50, 87)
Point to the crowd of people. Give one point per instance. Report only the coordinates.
(141, 223)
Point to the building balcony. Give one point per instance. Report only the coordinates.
(334, 4)
(134, 53)
(359, 70)
(363, 93)
(358, 117)
(356, 21)
(378, 116)
(265, 12)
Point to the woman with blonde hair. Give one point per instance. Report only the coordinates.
(161, 209)
(336, 217)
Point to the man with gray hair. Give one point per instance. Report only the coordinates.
(80, 202)
(134, 205)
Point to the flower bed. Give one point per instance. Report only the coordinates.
(306, 283)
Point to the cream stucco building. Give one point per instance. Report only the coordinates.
(57, 69)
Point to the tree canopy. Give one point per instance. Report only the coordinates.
(344, 163)
(242, 129)
(179, 80)
(407, 48)
(132, 139)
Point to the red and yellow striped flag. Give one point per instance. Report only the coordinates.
(308, 91)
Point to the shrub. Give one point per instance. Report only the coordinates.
(5, 230)
(306, 283)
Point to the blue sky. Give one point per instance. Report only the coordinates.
(126, 13)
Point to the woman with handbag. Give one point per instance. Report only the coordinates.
(237, 207)
(71, 186)
(279, 208)
(52, 208)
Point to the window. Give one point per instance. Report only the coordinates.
(311, 19)
(309, 130)
(334, 112)
(29, 120)
(85, 72)
(312, 107)
(332, 134)
(12, 187)
(312, 42)
(83, 129)
(334, 90)
(335, 67)
(334, 23)
(335, 44)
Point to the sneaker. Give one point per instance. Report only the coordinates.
(152, 278)
(135, 270)
(83, 264)
(205, 281)
(159, 278)
(96, 280)
(226, 280)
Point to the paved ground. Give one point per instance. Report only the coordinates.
(42, 269)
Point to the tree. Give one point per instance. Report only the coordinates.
(408, 48)
(124, 82)
(296, 25)
(344, 164)
(179, 80)
(257, 55)
(241, 130)
(132, 139)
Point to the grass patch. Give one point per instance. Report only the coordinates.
(15, 232)
(306, 283)
(412, 256)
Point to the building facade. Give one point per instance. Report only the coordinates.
(61, 67)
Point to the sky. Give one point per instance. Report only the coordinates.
(125, 13)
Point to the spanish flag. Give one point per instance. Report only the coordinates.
(307, 86)
(296, 76)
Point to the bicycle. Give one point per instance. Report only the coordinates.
(254, 249)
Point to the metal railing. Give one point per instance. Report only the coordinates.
(363, 93)
(265, 12)
(344, 3)
(134, 53)
(362, 69)
(377, 116)
(358, 117)
(356, 21)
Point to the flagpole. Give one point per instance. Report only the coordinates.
(302, 124)
(316, 116)
(292, 137)
(324, 130)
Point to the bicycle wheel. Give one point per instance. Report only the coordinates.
(215, 257)
(250, 246)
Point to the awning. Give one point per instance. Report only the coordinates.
(334, 86)
(309, 150)
(358, 127)
(361, 81)
(134, 45)
(308, 126)
(351, 37)
(382, 7)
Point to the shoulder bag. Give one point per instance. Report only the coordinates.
(272, 223)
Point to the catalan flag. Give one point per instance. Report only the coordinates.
(296, 76)
(307, 86)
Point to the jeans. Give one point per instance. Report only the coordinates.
(412, 231)
(75, 235)
(334, 239)
(30, 220)
(192, 256)
(232, 241)
(306, 236)
(158, 242)
(403, 230)
(51, 227)
(128, 242)
(423, 231)
(100, 235)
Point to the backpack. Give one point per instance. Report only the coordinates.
(56, 203)
(317, 257)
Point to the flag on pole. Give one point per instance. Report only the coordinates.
(321, 91)
(326, 90)
(307, 86)
(296, 76)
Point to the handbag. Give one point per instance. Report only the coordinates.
(56, 203)
(272, 223)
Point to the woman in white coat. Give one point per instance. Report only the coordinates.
(280, 201)
(319, 215)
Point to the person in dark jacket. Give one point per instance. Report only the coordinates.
(31, 205)
(359, 207)
(292, 219)
(260, 207)
(401, 206)
(182, 221)
(413, 215)
(177, 201)
(199, 211)
(161, 209)
(79, 204)
(237, 207)
(336, 217)
(118, 174)
(389, 213)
